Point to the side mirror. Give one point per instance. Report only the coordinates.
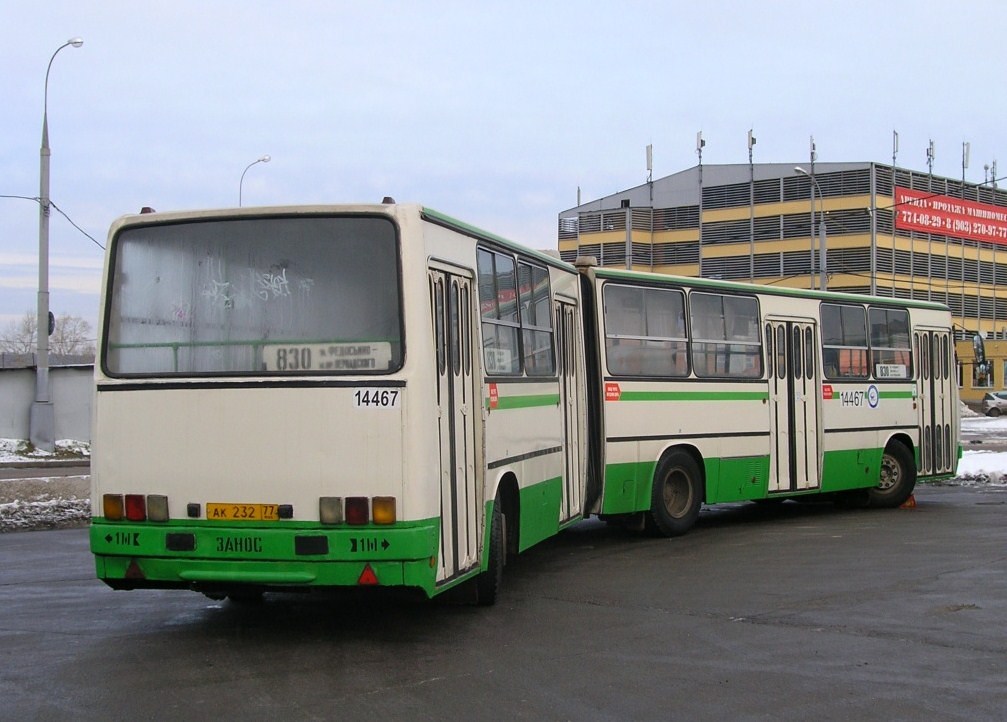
(979, 348)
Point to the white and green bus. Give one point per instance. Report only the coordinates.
(300, 398)
(297, 398)
(708, 392)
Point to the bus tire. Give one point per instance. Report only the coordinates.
(898, 478)
(677, 494)
(488, 582)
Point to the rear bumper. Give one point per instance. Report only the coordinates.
(208, 555)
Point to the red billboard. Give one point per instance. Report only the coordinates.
(931, 213)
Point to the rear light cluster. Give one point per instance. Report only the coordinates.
(351, 510)
(135, 507)
(357, 510)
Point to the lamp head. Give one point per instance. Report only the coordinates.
(76, 42)
(265, 159)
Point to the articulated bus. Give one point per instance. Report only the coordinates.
(302, 398)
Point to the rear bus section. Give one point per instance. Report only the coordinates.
(252, 407)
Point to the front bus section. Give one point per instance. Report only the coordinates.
(709, 392)
(252, 403)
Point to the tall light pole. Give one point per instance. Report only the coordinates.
(263, 159)
(42, 422)
(823, 282)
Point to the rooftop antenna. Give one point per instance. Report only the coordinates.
(650, 172)
(966, 147)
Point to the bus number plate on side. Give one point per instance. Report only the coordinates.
(242, 512)
(376, 398)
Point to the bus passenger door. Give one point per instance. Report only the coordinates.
(794, 406)
(934, 351)
(569, 366)
(461, 499)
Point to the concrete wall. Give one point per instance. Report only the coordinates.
(71, 388)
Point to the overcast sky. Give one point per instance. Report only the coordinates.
(491, 112)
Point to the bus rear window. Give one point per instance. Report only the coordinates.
(262, 296)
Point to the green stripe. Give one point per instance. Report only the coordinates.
(896, 394)
(524, 402)
(693, 396)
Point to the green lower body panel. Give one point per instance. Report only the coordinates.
(208, 554)
(540, 511)
(851, 469)
(741, 478)
(628, 486)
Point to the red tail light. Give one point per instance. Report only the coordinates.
(136, 507)
(358, 510)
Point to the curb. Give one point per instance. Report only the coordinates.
(54, 464)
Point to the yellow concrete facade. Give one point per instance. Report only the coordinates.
(706, 229)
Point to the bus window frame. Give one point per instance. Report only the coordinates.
(679, 346)
(724, 347)
(112, 265)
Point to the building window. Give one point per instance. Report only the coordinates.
(982, 376)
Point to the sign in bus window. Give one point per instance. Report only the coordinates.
(891, 355)
(348, 357)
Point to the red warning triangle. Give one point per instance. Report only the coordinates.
(367, 577)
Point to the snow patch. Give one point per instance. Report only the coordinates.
(50, 514)
(12, 450)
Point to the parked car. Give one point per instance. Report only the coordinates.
(995, 403)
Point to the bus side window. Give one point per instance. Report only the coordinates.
(769, 351)
(844, 340)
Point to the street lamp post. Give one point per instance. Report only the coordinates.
(42, 421)
(263, 159)
(823, 282)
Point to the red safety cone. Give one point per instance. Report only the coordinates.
(909, 503)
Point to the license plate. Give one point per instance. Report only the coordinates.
(242, 512)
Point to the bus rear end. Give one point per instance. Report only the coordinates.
(250, 406)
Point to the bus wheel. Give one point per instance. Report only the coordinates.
(677, 496)
(898, 478)
(488, 582)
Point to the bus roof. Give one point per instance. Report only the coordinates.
(478, 233)
(429, 214)
(620, 274)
